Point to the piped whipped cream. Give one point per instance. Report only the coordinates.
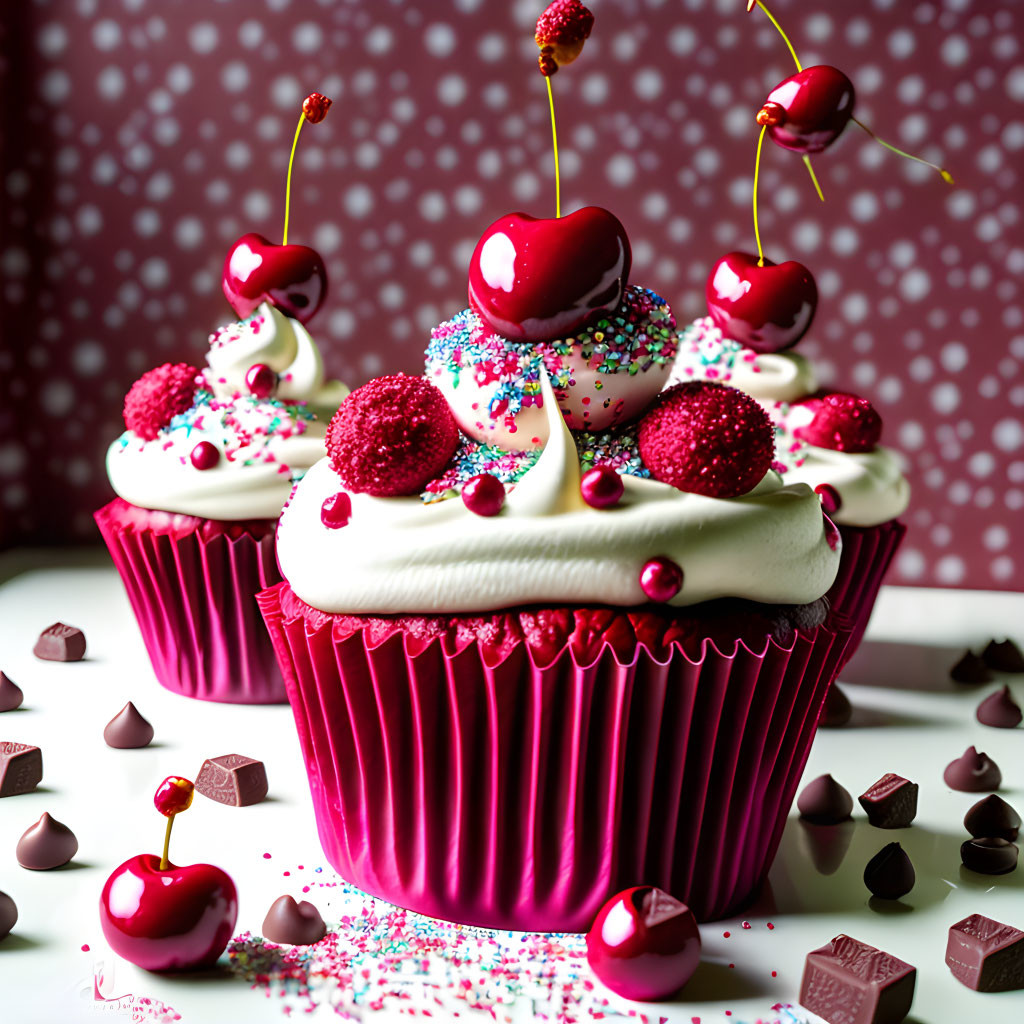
(547, 545)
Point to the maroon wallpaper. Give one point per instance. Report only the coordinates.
(139, 139)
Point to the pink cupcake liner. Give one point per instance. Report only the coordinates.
(508, 793)
(867, 553)
(192, 584)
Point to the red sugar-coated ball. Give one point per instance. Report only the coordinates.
(157, 396)
(661, 579)
(706, 438)
(204, 455)
(842, 422)
(601, 487)
(484, 495)
(392, 436)
(261, 380)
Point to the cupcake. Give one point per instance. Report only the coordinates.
(207, 460)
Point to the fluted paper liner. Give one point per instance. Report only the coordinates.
(522, 796)
(194, 597)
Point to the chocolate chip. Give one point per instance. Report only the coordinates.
(46, 844)
(986, 955)
(972, 773)
(889, 874)
(837, 710)
(295, 924)
(10, 693)
(233, 779)
(992, 816)
(970, 669)
(891, 802)
(60, 642)
(999, 710)
(8, 915)
(824, 802)
(989, 856)
(128, 730)
(21, 768)
(1004, 656)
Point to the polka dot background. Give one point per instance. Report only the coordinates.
(141, 138)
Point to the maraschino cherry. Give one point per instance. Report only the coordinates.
(166, 918)
(290, 277)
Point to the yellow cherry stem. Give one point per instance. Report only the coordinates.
(554, 146)
(287, 198)
(164, 862)
(814, 177)
(946, 176)
(757, 168)
(785, 38)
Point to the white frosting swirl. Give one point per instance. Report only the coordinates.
(547, 545)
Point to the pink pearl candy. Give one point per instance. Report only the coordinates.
(601, 487)
(205, 455)
(484, 495)
(336, 511)
(661, 579)
(261, 380)
(831, 502)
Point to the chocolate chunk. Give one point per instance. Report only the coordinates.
(128, 730)
(999, 710)
(60, 643)
(853, 983)
(294, 924)
(889, 874)
(46, 844)
(824, 802)
(1005, 656)
(972, 773)
(233, 779)
(10, 693)
(970, 669)
(8, 915)
(21, 768)
(837, 710)
(989, 856)
(891, 802)
(986, 955)
(991, 817)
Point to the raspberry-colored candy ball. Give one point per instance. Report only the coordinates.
(261, 380)
(601, 487)
(831, 502)
(661, 579)
(392, 436)
(336, 511)
(158, 396)
(173, 795)
(843, 423)
(484, 495)
(204, 455)
(707, 438)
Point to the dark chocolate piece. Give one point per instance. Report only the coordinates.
(972, 773)
(1004, 656)
(853, 983)
(837, 709)
(10, 693)
(992, 817)
(891, 802)
(293, 924)
(46, 844)
(233, 779)
(8, 915)
(989, 855)
(986, 955)
(889, 874)
(970, 669)
(60, 642)
(21, 768)
(824, 802)
(128, 730)
(999, 710)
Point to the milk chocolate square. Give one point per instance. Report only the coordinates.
(60, 642)
(891, 802)
(21, 768)
(233, 779)
(986, 955)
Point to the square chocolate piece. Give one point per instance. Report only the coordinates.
(850, 982)
(891, 802)
(986, 955)
(233, 779)
(21, 768)
(60, 642)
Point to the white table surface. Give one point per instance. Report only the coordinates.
(909, 718)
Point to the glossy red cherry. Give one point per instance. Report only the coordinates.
(204, 456)
(181, 918)
(290, 277)
(766, 308)
(261, 380)
(807, 111)
(533, 280)
(484, 495)
(644, 944)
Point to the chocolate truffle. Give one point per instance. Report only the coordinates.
(970, 669)
(989, 856)
(986, 955)
(837, 709)
(824, 802)
(60, 642)
(46, 844)
(10, 693)
(128, 730)
(992, 817)
(21, 768)
(1004, 656)
(972, 773)
(889, 874)
(233, 779)
(891, 802)
(8, 915)
(999, 710)
(293, 924)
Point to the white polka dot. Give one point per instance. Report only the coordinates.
(945, 397)
(955, 50)
(154, 273)
(166, 131)
(890, 390)
(595, 88)
(818, 27)
(179, 78)
(307, 37)
(911, 563)
(452, 90)
(106, 34)
(706, 161)
(237, 155)
(55, 86)
(379, 40)
(13, 459)
(250, 34)
(863, 206)
(358, 201)
(855, 307)
(648, 84)
(1002, 568)
(286, 93)
(89, 220)
(620, 169)
(954, 356)
(88, 358)
(910, 89)
(57, 397)
(525, 186)
(439, 40)
(52, 39)
(911, 435)
(432, 206)
(901, 43)
(468, 199)
(915, 285)
(1014, 83)
(189, 233)
(1008, 435)
(950, 569)
(234, 76)
(203, 37)
(110, 83)
(257, 205)
(682, 40)
(146, 222)
(981, 464)
(806, 235)
(15, 262)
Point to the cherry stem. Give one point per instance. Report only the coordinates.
(946, 176)
(814, 177)
(771, 18)
(757, 168)
(554, 146)
(164, 862)
(288, 184)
